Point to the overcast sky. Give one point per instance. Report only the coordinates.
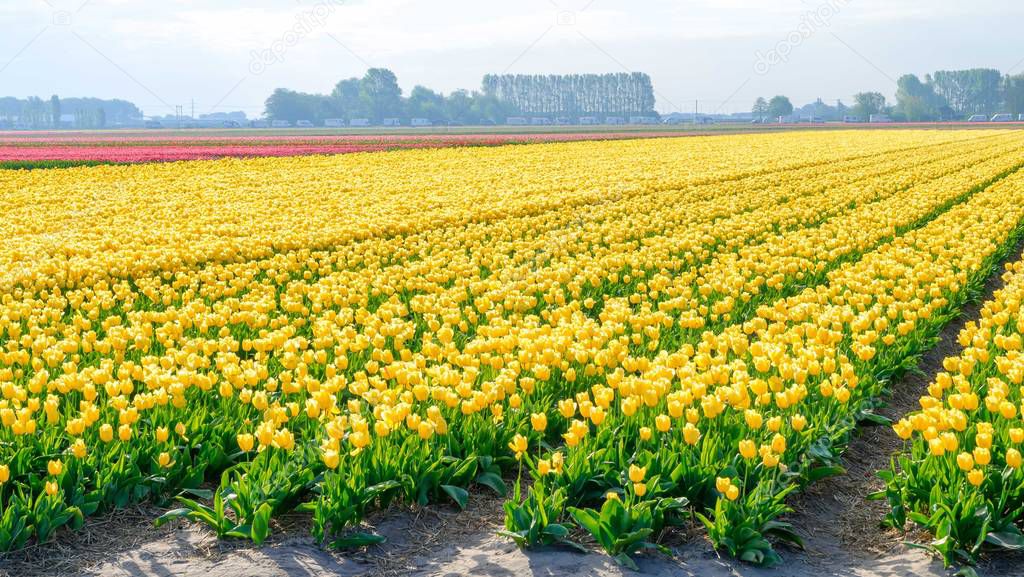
(230, 54)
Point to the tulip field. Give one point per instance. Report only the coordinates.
(614, 336)
(58, 149)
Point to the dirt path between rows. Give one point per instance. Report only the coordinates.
(840, 528)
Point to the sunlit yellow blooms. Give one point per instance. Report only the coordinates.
(5, 474)
(567, 408)
(748, 449)
(1017, 435)
(982, 456)
(164, 460)
(663, 423)
(425, 430)
(722, 484)
(52, 488)
(691, 434)
(965, 461)
(54, 467)
(735, 293)
(284, 439)
(558, 461)
(245, 442)
(636, 473)
(331, 459)
(518, 445)
(1013, 458)
(976, 477)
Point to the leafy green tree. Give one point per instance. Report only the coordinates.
(380, 94)
(284, 104)
(425, 103)
(917, 101)
(868, 103)
(1013, 94)
(760, 107)
(779, 106)
(458, 107)
(967, 92)
(55, 110)
(346, 100)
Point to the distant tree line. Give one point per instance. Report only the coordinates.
(944, 95)
(574, 95)
(34, 112)
(376, 96)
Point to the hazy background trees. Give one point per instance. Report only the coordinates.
(377, 96)
(779, 106)
(34, 112)
(574, 95)
(868, 103)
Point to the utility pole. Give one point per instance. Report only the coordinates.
(695, 105)
(193, 115)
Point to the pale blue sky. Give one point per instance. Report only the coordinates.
(229, 54)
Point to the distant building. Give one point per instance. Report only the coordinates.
(644, 120)
(259, 123)
(392, 122)
(852, 119)
(516, 121)
(540, 121)
(359, 122)
(420, 122)
(879, 119)
(978, 118)
(1002, 118)
(334, 122)
(280, 124)
(589, 120)
(614, 120)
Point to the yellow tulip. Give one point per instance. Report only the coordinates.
(976, 477)
(518, 445)
(748, 450)
(637, 474)
(965, 461)
(164, 460)
(106, 433)
(539, 421)
(245, 442)
(1013, 458)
